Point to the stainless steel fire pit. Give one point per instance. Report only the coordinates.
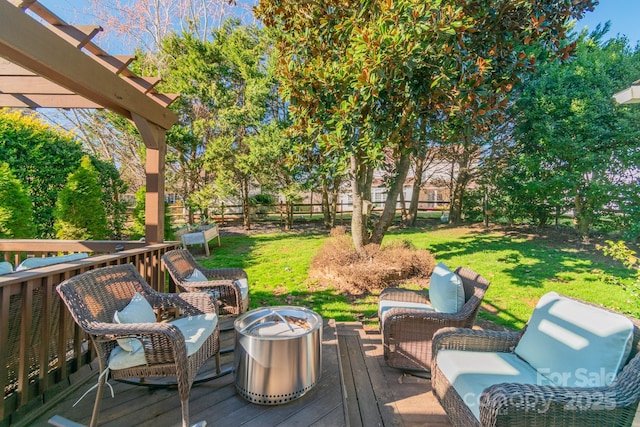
(278, 353)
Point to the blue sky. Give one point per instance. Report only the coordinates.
(623, 14)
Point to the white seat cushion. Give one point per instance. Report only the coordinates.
(575, 344)
(470, 372)
(446, 291)
(385, 305)
(196, 330)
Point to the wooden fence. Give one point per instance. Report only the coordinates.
(225, 213)
(41, 348)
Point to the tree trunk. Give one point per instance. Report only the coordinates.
(326, 209)
(583, 214)
(455, 211)
(460, 186)
(389, 212)
(403, 207)
(362, 176)
(246, 206)
(415, 192)
(334, 200)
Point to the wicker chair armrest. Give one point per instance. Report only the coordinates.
(511, 404)
(188, 303)
(162, 342)
(405, 295)
(401, 317)
(474, 340)
(224, 287)
(208, 284)
(223, 273)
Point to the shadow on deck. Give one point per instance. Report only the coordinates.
(356, 389)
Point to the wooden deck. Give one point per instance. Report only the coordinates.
(356, 389)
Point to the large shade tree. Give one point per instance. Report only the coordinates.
(243, 146)
(575, 148)
(362, 74)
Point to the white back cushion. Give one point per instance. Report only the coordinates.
(575, 344)
(5, 267)
(50, 260)
(243, 284)
(196, 276)
(446, 292)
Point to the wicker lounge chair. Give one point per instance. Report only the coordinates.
(228, 283)
(583, 397)
(407, 330)
(93, 298)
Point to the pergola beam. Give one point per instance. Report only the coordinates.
(29, 44)
(31, 84)
(45, 101)
(48, 66)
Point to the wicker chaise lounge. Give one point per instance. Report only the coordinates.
(408, 322)
(138, 346)
(574, 364)
(230, 284)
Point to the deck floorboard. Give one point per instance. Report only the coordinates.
(356, 389)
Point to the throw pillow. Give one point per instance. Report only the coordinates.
(137, 311)
(446, 291)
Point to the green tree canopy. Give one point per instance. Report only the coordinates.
(360, 75)
(79, 214)
(41, 157)
(217, 148)
(16, 211)
(575, 148)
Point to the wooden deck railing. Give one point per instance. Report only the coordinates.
(40, 345)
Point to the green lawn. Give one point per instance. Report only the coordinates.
(520, 268)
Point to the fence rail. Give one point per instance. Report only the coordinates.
(224, 213)
(40, 346)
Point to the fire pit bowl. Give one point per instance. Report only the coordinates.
(278, 353)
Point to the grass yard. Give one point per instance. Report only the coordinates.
(520, 266)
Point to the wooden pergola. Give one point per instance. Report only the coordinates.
(52, 64)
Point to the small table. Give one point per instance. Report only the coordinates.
(278, 353)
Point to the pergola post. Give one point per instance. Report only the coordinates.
(154, 199)
(58, 66)
(154, 139)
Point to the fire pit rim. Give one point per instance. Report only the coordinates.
(314, 319)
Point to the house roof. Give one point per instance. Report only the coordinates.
(630, 95)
